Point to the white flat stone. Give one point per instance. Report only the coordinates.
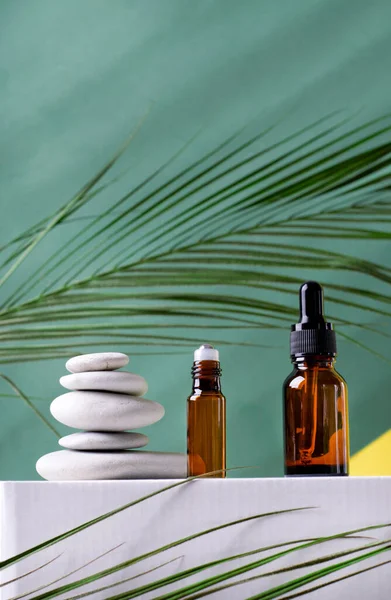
(70, 465)
(100, 440)
(104, 411)
(110, 381)
(99, 361)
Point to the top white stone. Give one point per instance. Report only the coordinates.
(99, 361)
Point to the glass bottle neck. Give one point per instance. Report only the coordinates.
(309, 362)
(206, 376)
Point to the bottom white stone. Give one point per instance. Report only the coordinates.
(73, 465)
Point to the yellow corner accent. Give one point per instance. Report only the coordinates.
(374, 459)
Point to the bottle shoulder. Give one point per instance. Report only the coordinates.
(324, 376)
(205, 395)
(340, 378)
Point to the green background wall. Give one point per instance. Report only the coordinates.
(77, 75)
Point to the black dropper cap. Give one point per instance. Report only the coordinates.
(312, 335)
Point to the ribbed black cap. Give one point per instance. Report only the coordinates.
(312, 335)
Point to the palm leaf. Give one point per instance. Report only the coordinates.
(156, 250)
(29, 403)
(181, 575)
(30, 572)
(385, 546)
(75, 530)
(304, 580)
(327, 583)
(90, 562)
(206, 586)
(193, 590)
(123, 565)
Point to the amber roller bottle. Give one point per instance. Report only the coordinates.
(206, 415)
(315, 395)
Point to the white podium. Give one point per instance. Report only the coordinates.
(32, 512)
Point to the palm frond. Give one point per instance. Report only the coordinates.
(384, 546)
(30, 572)
(212, 583)
(337, 580)
(75, 530)
(169, 250)
(70, 573)
(305, 579)
(207, 586)
(29, 403)
(137, 559)
(183, 574)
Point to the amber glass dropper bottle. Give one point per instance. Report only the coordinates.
(315, 395)
(206, 415)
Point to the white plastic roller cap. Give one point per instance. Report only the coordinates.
(206, 352)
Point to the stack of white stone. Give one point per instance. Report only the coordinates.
(106, 403)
